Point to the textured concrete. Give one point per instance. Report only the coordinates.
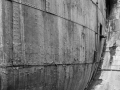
(50, 44)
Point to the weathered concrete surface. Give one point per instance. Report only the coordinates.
(50, 44)
(46, 78)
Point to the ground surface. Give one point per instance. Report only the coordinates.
(109, 76)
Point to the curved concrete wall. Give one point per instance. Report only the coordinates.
(50, 44)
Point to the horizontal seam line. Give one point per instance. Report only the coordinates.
(108, 70)
(56, 15)
(47, 65)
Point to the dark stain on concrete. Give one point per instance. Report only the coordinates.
(112, 52)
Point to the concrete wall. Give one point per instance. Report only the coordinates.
(49, 44)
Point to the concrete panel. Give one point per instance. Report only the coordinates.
(33, 36)
(71, 42)
(6, 34)
(17, 34)
(51, 39)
